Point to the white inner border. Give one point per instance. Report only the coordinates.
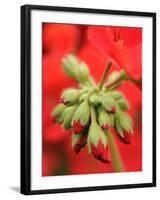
(53, 182)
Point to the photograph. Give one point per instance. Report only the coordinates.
(88, 108)
(92, 99)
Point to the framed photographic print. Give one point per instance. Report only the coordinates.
(88, 99)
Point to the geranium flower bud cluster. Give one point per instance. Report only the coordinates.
(92, 112)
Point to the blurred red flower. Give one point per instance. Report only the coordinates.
(122, 45)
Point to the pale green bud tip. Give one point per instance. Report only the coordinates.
(70, 95)
(58, 110)
(82, 72)
(113, 76)
(70, 63)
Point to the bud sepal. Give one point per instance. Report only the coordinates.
(123, 127)
(81, 117)
(57, 112)
(70, 95)
(67, 116)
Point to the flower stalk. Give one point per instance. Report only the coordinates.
(115, 154)
(104, 76)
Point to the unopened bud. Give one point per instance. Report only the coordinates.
(82, 72)
(69, 64)
(57, 112)
(95, 135)
(104, 119)
(123, 103)
(67, 116)
(123, 126)
(101, 152)
(81, 115)
(70, 95)
(79, 141)
(108, 103)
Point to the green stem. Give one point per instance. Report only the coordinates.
(105, 73)
(93, 115)
(116, 158)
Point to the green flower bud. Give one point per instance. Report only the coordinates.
(104, 119)
(123, 104)
(69, 64)
(113, 76)
(95, 135)
(70, 95)
(82, 72)
(67, 116)
(95, 99)
(82, 114)
(116, 95)
(123, 122)
(57, 111)
(108, 103)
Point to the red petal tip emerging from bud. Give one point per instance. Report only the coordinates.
(100, 152)
(77, 127)
(105, 126)
(62, 101)
(77, 148)
(113, 110)
(81, 143)
(127, 137)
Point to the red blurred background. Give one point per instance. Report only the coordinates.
(58, 156)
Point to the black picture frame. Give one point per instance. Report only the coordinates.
(26, 98)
